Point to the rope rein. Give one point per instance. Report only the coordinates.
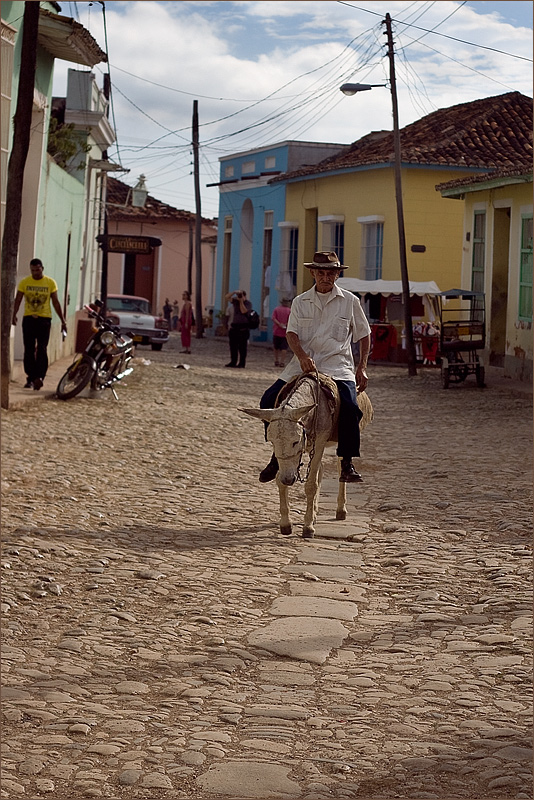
(313, 436)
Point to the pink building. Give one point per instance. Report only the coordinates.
(163, 273)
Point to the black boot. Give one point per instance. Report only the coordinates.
(270, 471)
(348, 473)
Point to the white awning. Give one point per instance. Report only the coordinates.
(362, 287)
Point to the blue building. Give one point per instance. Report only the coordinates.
(257, 247)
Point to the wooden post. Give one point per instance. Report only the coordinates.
(15, 179)
(408, 325)
(190, 260)
(198, 227)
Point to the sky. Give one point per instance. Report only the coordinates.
(267, 71)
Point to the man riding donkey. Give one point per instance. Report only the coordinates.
(323, 323)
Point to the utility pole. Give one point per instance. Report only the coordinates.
(190, 260)
(198, 227)
(15, 178)
(410, 343)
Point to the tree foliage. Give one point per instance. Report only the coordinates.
(65, 143)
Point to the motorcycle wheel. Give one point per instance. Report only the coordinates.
(74, 380)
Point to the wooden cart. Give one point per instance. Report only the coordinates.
(462, 335)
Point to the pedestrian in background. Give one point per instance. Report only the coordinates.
(280, 317)
(175, 315)
(239, 332)
(167, 311)
(39, 292)
(187, 320)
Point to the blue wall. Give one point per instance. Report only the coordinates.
(263, 198)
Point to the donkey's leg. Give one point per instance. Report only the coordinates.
(311, 489)
(285, 522)
(341, 511)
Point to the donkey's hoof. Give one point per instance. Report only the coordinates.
(286, 530)
(341, 515)
(308, 533)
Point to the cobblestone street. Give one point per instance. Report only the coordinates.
(162, 639)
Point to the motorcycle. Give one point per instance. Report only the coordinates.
(104, 361)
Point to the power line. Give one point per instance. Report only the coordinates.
(439, 23)
(444, 35)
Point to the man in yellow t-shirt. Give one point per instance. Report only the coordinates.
(39, 293)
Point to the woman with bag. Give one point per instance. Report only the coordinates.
(239, 332)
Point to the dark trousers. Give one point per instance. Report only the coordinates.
(238, 337)
(35, 335)
(348, 440)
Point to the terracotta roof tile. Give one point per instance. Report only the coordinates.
(521, 171)
(490, 133)
(120, 208)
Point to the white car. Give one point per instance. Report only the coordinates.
(134, 316)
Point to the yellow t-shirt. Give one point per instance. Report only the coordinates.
(37, 295)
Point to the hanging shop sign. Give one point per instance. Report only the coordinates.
(117, 243)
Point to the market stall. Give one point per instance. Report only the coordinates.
(383, 304)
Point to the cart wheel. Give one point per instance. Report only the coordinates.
(462, 374)
(479, 372)
(445, 377)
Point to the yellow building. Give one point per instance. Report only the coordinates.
(496, 257)
(347, 202)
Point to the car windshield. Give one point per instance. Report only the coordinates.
(129, 304)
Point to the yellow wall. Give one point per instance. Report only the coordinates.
(517, 198)
(430, 220)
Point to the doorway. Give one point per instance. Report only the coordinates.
(499, 286)
(139, 275)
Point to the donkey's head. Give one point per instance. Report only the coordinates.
(286, 433)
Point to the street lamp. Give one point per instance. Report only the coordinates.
(352, 89)
(139, 193)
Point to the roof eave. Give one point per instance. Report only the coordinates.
(480, 186)
(66, 39)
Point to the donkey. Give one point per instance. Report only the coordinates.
(306, 421)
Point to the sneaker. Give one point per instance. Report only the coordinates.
(348, 473)
(270, 471)
(28, 384)
(38, 382)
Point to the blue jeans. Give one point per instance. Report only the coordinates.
(348, 443)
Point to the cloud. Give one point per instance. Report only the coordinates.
(266, 71)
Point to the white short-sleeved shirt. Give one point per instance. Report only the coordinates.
(326, 333)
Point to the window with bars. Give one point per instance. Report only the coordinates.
(371, 250)
(227, 251)
(266, 272)
(479, 252)
(286, 284)
(333, 237)
(525, 271)
(478, 264)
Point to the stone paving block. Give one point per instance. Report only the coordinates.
(313, 607)
(306, 638)
(244, 780)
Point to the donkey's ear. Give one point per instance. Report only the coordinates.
(297, 413)
(266, 414)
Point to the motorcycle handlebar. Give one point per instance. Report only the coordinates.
(96, 315)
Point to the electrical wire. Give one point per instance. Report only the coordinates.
(444, 35)
(414, 41)
(116, 143)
